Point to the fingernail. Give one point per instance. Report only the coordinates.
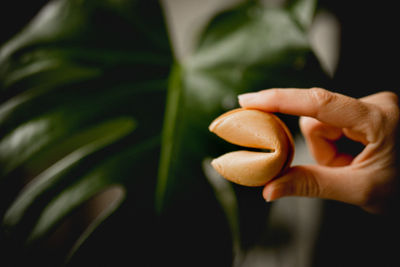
(268, 195)
(245, 98)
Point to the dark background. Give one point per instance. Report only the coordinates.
(369, 59)
(368, 63)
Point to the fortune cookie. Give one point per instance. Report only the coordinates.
(258, 130)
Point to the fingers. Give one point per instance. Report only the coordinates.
(321, 182)
(367, 180)
(331, 108)
(320, 139)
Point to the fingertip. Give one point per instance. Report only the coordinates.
(247, 99)
(273, 192)
(294, 182)
(306, 119)
(306, 122)
(311, 122)
(267, 193)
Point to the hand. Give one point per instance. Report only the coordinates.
(369, 179)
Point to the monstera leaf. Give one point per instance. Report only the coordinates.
(94, 104)
(247, 48)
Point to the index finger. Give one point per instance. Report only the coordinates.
(328, 107)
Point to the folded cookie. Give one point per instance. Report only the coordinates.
(257, 130)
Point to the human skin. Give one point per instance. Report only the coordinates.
(368, 180)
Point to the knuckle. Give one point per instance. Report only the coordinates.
(377, 117)
(391, 106)
(313, 187)
(393, 97)
(310, 186)
(289, 188)
(383, 122)
(375, 129)
(321, 97)
(393, 113)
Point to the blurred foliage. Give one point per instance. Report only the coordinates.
(92, 98)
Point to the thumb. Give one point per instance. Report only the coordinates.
(318, 181)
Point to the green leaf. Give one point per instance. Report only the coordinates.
(250, 47)
(55, 175)
(92, 98)
(74, 84)
(303, 11)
